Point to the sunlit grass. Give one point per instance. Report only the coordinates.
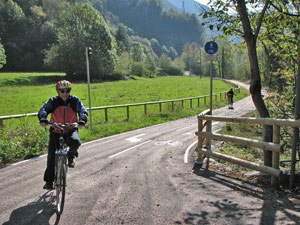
(23, 137)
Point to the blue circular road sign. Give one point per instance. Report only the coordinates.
(211, 47)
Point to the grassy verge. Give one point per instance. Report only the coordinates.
(244, 152)
(23, 138)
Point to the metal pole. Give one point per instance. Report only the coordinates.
(210, 113)
(88, 80)
(210, 107)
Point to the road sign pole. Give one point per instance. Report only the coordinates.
(211, 88)
(210, 48)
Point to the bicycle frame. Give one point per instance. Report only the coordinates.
(61, 167)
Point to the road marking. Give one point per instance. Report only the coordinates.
(186, 154)
(128, 149)
(169, 142)
(186, 127)
(135, 138)
(27, 160)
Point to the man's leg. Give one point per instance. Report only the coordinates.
(49, 172)
(73, 142)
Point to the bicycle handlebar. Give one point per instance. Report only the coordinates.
(62, 126)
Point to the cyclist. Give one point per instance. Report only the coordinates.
(63, 109)
(230, 98)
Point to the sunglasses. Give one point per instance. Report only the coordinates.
(63, 91)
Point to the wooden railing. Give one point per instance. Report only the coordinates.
(274, 146)
(127, 106)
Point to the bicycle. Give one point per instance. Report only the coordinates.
(61, 168)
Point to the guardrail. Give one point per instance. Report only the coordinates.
(274, 146)
(105, 108)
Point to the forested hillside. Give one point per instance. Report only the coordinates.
(148, 19)
(127, 37)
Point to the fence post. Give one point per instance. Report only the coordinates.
(208, 140)
(198, 102)
(200, 127)
(160, 107)
(172, 106)
(275, 158)
(105, 111)
(182, 103)
(127, 112)
(145, 109)
(204, 100)
(191, 103)
(1, 124)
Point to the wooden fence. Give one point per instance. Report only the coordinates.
(205, 120)
(127, 106)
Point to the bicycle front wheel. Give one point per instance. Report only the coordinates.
(60, 187)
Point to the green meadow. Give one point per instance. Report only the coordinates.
(27, 92)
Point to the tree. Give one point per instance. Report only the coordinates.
(80, 26)
(12, 23)
(137, 53)
(168, 67)
(173, 53)
(246, 24)
(2, 56)
(122, 39)
(165, 50)
(191, 57)
(156, 47)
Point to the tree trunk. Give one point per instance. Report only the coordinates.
(255, 83)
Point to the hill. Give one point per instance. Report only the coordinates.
(186, 6)
(150, 19)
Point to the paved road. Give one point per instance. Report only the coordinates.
(142, 177)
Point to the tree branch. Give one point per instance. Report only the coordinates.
(256, 32)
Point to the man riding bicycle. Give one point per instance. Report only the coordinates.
(230, 94)
(63, 108)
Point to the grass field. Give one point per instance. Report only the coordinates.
(26, 93)
(252, 154)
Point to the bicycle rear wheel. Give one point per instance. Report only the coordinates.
(60, 187)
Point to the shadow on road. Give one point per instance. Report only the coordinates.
(37, 212)
(275, 202)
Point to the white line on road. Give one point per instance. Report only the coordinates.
(128, 149)
(135, 138)
(186, 154)
(27, 160)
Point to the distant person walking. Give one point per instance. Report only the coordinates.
(64, 109)
(230, 94)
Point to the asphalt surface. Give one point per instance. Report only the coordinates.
(146, 176)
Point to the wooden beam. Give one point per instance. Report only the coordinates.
(238, 140)
(255, 166)
(251, 120)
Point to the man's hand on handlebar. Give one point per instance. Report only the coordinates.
(81, 124)
(44, 122)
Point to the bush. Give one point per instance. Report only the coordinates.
(139, 69)
(22, 142)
